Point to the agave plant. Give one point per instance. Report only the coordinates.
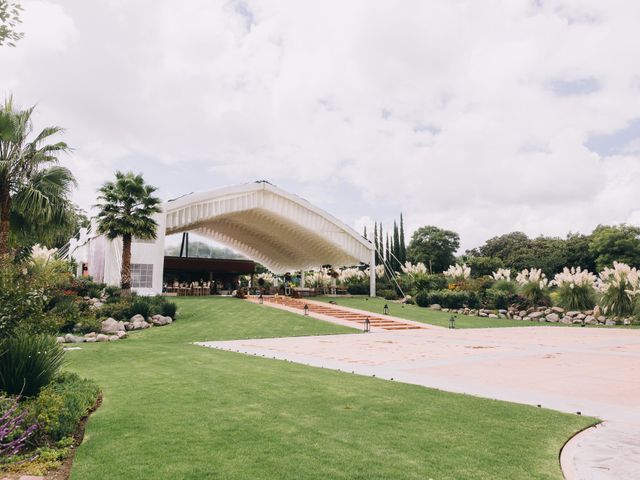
(576, 288)
(620, 289)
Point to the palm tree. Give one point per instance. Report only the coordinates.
(33, 190)
(126, 209)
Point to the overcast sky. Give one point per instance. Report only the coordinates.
(481, 116)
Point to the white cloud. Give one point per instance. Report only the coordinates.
(459, 113)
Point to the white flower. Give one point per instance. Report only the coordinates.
(621, 275)
(458, 272)
(411, 269)
(535, 275)
(42, 253)
(502, 274)
(574, 277)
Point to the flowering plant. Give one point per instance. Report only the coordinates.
(502, 274)
(620, 288)
(411, 269)
(458, 272)
(576, 288)
(13, 435)
(534, 285)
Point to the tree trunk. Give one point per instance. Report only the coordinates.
(125, 272)
(5, 210)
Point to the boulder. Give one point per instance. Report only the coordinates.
(588, 312)
(602, 319)
(101, 337)
(566, 320)
(493, 315)
(160, 320)
(557, 309)
(96, 305)
(138, 322)
(110, 326)
(626, 321)
(70, 338)
(445, 309)
(522, 313)
(575, 321)
(535, 315)
(581, 316)
(590, 320)
(502, 311)
(553, 318)
(113, 338)
(527, 319)
(482, 314)
(128, 326)
(60, 339)
(90, 335)
(610, 322)
(90, 339)
(435, 306)
(121, 334)
(572, 313)
(597, 311)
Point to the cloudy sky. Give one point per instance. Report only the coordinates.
(482, 116)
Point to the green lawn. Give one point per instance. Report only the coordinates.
(173, 410)
(426, 315)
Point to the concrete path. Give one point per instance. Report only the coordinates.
(592, 371)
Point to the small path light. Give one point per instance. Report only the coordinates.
(306, 310)
(261, 299)
(582, 323)
(452, 321)
(385, 310)
(367, 325)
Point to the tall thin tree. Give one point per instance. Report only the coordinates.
(403, 246)
(126, 210)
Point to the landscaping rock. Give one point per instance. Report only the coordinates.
(90, 334)
(121, 334)
(502, 311)
(70, 338)
(482, 314)
(522, 313)
(626, 321)
(553, 318)
(567, 320)
(575, 321)
(557, 309)
(101, 337)
(528, 319)
(160, 320)
(90, 339)
(610, 322)
(535, 315)
(113, 338)
(435, 306)
(60, 339)
(602, 319)
(581, 316)
(138, 322)
(572, 313)
(493, 315)
(597, 311)
(590, 320)
(111, 326)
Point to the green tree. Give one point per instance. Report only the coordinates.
(9, 20)
(482, 266)
(126, 210)
(512, 248)
(34, 191)
(403, 247)
(433, 246)
(620, 243)
(578, 253)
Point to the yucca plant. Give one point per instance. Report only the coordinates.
(28, 363)
(576, 289)
(620, 289)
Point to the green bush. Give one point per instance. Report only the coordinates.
(88, 324)
(505, 286)
(448, 299)
(28, 363)
(576, 297)
(426, 282)
(139, 306)
(388, 294)
(494, 298)
(169, 309)
(61, 405)
(358, 289)
(536, 294)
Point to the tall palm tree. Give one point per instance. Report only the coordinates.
(33, 189)
(126, 210)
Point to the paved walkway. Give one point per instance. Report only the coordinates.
(593, 371)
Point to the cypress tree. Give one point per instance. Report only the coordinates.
(375, 242)
(403, 247)
(364, 234)
(396, 247)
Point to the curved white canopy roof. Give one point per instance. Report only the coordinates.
(282, 231)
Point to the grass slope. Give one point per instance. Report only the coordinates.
(175, 410)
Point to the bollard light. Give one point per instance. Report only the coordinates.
(452, 322)
(385, 310)
(306, 310)
(582, 324)
(260, 299)
(367, 325)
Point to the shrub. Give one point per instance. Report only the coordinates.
(169, 309)
(28, 363)
(88, 324)
(533, 285)
(358, 289)
(496, 299)
(61, 405)
(448, 298)
(576, 289)
(505, 286)
(430, 282)
(117, 309)
(388, 294)
(139, 306)
(619, 287)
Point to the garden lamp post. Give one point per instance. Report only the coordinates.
(582, 323)
(452, 321)
(385, 310)
(367, 325)
(261, 299)
(306, 310)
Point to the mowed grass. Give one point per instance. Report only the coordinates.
(173, 410)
